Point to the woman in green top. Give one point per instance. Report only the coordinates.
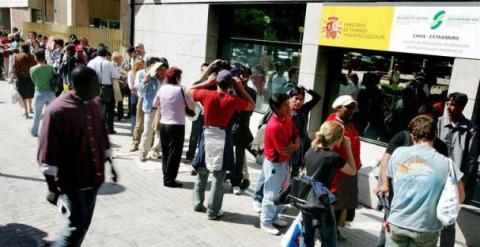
(42, 76)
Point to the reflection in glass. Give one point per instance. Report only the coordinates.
(274, 68)
(391, 89)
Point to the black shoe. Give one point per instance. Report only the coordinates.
(174, 184)
(193, 172)
(245, 184)
(187, 161)
(111, 132)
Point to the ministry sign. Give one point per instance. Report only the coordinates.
(440, 31)
(447, 31)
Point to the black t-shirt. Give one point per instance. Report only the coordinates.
(326, 162)
(403, 138)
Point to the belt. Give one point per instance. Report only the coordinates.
(104, 85)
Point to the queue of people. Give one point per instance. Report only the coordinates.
(84, 87)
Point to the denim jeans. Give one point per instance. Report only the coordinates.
(401, 237)
(258, 196)
(382, 239)
(321, 223)
(275, 176)
(39, 100)
(216, 191)
(133, 111)
(78, 208)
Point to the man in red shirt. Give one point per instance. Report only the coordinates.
(345, 186)
(219, 107)
(281, 140)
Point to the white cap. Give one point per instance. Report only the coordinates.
(154, 68)
(343, 100)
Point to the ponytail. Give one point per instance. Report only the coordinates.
(329, 133)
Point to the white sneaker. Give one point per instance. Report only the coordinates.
(257, 206)
(280, 223)
(268, 227)
(237, 191)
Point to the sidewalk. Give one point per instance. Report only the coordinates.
(139, 211)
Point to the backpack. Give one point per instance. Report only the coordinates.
(258, 142)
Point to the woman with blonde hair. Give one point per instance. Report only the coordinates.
(321, 164)
(117, 61)
(138, 64)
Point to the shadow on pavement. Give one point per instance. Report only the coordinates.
(355, 235)
(15, 234)
(21, 177)
(243, 219)
(187, 185)
(109, 188)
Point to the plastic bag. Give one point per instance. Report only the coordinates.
(214, 145)
(448, 206)
(292, 236)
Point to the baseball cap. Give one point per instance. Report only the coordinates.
(343, 100)
(224, 76)
(154, 68)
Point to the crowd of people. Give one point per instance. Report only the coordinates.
(84, 88)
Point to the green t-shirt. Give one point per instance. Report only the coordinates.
(42, 75)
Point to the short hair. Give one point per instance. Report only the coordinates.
(25, 48)
(370, 79)
(81, 75)
(204, 65)
(459, 98)
(116, 55)
(423, 128)
(173, 74)
(296, 91)
(276, 100)
(40, 55)
(164, 61)
(152, 60)
(131, 49)
(101, 51)
(59, 42)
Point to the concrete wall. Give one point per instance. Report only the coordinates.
(5, 19)
(105, 9)
(40, 4)
(60, 13)
(177, 32)
(13, 3)
(18, 16)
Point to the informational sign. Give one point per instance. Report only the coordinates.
(356, 26)
(441, 31)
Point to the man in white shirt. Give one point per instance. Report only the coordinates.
(106, 74)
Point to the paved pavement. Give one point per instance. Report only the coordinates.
(139, 211)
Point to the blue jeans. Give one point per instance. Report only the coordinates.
(322, 223)
(216, 191)
(258, 196)
(275, 176)
(133, 111)
(40, 99)
(78, 207)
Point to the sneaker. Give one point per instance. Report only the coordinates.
(174, 184)
(268, 227)
(200, 208)
(257, 206)
(237, 191)
(214, 217)
(280, 223)
(245, 184)
(193, 172)
(142, 158)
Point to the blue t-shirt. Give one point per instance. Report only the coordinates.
(418, 175)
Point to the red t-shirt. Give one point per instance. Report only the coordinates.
(278, 134)
(352, 132)
(219, 107)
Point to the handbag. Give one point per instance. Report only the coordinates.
(117, 92)
(189, 112)
(449, 205)
(309, 195)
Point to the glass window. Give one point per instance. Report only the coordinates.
(268, 40)
(37, 15)
(273, 23)
(274, 68)
(391, 89)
